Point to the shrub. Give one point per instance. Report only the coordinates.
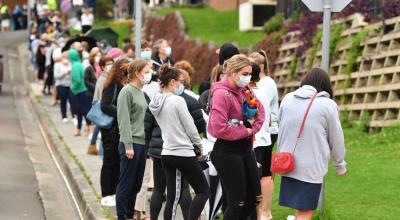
(274, 24)
(313, 51)
(104, 9)
(334, 40)
(352, 55)
(293, 66)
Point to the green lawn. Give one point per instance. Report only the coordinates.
(372, 188)
(220, 27)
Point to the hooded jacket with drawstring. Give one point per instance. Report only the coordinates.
(77, 73)
(321, 139)
(179, 131)
(226, 105)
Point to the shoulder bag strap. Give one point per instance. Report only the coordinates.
(303, 122)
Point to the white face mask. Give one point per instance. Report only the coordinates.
(108, 67)
(146, 79)
(243, 81)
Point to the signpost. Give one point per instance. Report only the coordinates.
(138, 27)
(326, 6)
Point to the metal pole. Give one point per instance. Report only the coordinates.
(326, 35)
(138, 27)
(325, 65)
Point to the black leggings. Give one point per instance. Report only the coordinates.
(237, 169)
(160, 184)
(109, 174)
(175, 168)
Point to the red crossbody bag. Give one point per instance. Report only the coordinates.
(283, 163)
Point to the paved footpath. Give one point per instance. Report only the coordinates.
(78, 145)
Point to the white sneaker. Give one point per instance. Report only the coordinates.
(108, 201)
(291, 217)
(65, 120)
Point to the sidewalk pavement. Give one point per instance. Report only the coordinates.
(89, 165)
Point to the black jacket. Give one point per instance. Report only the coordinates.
(153, 137)
(109, 107)
(157, 62)
(90, 80)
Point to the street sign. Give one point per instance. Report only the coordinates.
(318, 5)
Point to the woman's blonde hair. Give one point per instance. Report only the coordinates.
(186, 78)
(261, 57)
(135, 67)
(236, 63)
(216, 73)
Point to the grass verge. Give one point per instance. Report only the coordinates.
(370, 191)
(210, 25)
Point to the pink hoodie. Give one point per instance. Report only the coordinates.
(227, 104)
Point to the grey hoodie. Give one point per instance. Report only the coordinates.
(178, 130)
(322, 136)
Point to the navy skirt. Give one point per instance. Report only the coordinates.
(299, 195)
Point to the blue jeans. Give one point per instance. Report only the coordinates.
(130, 180)
(95, 133)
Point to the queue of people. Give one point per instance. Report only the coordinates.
(166, 137)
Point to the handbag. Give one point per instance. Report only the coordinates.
(98, 117)
(283, 163)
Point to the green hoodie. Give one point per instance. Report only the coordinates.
(77, 72)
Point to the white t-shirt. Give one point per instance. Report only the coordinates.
(87, 19)
(262, 137)
(77, 2)
(268, 86)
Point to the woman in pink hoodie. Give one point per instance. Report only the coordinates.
(232, 155)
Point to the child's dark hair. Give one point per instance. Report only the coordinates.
(166, 74)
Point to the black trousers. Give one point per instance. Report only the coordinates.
(237, 169)
(110, 170)
(160, 184)
(175, 168)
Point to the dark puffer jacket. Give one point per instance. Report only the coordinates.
(153, 137)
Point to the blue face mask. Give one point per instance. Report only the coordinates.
(179, 90)
(145, 55)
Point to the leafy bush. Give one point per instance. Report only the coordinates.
(274, 24)
(104, 9)
(334, 40)
(352, 55)
(293, 66)
(313, 51)
(390, 8)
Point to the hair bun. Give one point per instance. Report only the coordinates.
(163, 69)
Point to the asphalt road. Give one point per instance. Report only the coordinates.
(31, 186)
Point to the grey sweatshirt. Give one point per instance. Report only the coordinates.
(322, 136)
(176, 123)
